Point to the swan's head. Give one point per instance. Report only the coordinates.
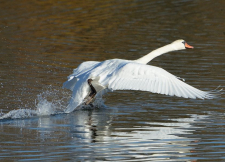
(180, 45)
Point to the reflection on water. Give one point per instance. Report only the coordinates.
(42, 41)
(96, 133)
(114, 133)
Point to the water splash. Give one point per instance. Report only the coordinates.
(20, 113)
(50, 102)
(45, 107)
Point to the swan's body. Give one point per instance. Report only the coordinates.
(118, 74)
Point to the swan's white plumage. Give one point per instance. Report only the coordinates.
(118, 74)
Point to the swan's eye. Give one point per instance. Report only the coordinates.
(183, 42)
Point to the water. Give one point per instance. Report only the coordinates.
(42, 41)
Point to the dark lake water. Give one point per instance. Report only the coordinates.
(41, 42)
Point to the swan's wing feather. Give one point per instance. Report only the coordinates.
(83, 68)
(70, 83)
(80, 91)
(135, 76)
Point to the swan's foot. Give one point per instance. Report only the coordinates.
(92, 94)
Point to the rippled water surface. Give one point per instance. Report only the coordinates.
(41, 42)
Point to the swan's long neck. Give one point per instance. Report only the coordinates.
(147, 58)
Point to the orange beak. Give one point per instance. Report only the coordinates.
(188, 46)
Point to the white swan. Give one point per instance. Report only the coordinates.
(92, 77)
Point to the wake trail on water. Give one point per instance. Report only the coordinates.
(51, 101)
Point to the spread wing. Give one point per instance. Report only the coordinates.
(135, 76)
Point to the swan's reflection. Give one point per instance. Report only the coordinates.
(102, 133)
(90, 125)
(158, 140)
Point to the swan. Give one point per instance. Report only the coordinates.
(92, 77)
